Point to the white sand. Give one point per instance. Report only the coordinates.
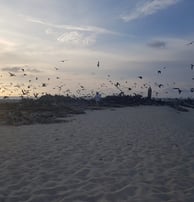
(137, 154)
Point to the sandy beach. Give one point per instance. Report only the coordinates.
(132, 154)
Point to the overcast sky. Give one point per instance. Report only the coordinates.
(129, 38)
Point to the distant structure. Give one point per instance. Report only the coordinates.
(149, 93)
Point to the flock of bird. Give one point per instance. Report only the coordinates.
(32, 86)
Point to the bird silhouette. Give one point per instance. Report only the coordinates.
(140, 77)
(117, 84)
(43, 84)
(35, 95)
(192, 65)
(64, 60)
(192, 90)
(159, 71)
(179, 90)
(190, 43)
(160, 85)
(82, 87)
(98, 64)
(25, 92)
(11, 74)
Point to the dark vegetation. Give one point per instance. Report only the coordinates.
(53, 109)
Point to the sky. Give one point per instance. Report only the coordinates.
(53, 46)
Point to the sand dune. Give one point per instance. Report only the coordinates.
(128, 154)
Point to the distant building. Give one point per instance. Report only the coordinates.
(150, 93)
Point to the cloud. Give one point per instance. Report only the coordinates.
(73, 38)
(50, 31)
(94, 29)
(11, 69)
(71, 34)
(19, 69)
(157, 44)
(76, 38)
(33, 70)
(6, 42)
(149, 8)
(6, 45)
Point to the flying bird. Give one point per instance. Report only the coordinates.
(25, 92)
(35, 95)
(98, 64)
(82, 87)
(192, 90)
(160, 85)
(64, 60)
(117, 84)
(159, 71)
(11, 74)
(140, 77)
(190, 43)
(44, 85)
(179, 90)
(192, 65)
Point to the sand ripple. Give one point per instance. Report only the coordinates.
(129, 154)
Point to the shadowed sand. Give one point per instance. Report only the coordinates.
(135, 154)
